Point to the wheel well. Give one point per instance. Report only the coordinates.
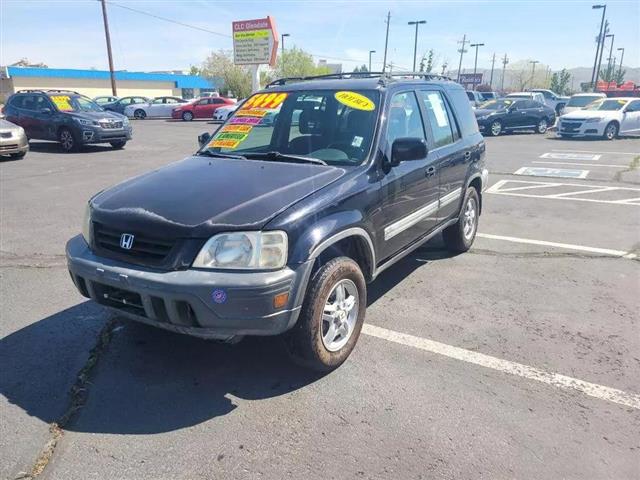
(63, 127)
(615, 122)
(477, 184)
(354, 247)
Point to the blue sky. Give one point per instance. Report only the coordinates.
(69, 34)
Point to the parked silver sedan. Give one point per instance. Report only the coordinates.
(13, 140)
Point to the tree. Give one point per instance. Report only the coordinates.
(297, 63)
(426, 62)
(611, 75)
(24, 62)
(235, 78)
(194, 70)
(619, 77)
(560, 82)
(362, 68)
(483, 87)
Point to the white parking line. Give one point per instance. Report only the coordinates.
(591, 151)
(571, 156)
(505, 366)
(582, 164)
(551, 172)
(567, 246)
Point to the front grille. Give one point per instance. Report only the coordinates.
(143, 248)
(8, 147)
(5, 134)
(110, 125)
(570, 126)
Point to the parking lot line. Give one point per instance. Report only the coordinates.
(591, 151)
(567, 246)
(505, 366)
(583, 164)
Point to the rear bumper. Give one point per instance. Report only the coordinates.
(183, 301)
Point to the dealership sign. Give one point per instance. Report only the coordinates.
(471, 78)
(255, 42)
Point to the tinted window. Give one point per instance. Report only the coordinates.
(216, 100)
(470, 95)
(170, 100)
(464, 114)
(17, 101)
(404, 118)
(158, 100)
(634, 106)
(438, 118)
(29, 102)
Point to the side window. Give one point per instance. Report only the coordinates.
(404, 119)
(216, 100)
(470, 95)
(547, 95)
(41, 102)
(17, 101)
(158, 101)
(439, 118)
(633, 107)
(126, 101)
(138, 100)
(204, 101)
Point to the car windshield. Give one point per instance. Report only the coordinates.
(582, 100)
(607, 105)
(334, 126)
(496, 104)
(75, 103)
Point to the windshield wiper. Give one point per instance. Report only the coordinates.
(207, 153)
(277, 156)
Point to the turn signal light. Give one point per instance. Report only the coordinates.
(280, 300)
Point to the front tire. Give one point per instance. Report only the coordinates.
(139, 114)
(187, 116)
(543, 125)
(610, 131)
(68, 141)
(331, 318)
(459, 237)
(495, 128)
(118, 144)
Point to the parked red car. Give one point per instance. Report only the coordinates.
(200, 108)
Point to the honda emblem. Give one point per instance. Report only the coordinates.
(126, 241)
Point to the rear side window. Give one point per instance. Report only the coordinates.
(404, 118)
(439, 118)
(464, 114)
(17, 101)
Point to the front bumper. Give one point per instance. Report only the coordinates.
(183, 301)
(89, 135)
(572, 128)
(14, 144)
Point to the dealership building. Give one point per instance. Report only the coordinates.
(93, 83)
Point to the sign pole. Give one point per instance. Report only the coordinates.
(255, 78)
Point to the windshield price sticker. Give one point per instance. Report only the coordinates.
(252, 112)
(62, 102)
(355, 100)
(224, 144)
(265, 100)
(226, 139)
(237, 128)
(245, 120)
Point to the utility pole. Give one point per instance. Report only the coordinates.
(620, 66)
(282, 54)
(370, 52)
(444, 67)
(475, 62)
(613, 71)
(415, 43)
(462, 52)
(386, 43)
(505, 61)
(108, 37)
(493, 62)
(533, 70)
(604, 36)
(610, 56)
(594, 77)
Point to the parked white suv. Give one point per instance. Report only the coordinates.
(607, 118)
(581, 100)
(552, 99)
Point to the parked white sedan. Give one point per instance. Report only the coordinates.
(607, 118)
(581, 100)
(157, 107)
(222, 113)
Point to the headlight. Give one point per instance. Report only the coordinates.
(593, 120)
(125, 121)
(85, 122)
(86, 224)
(244, 251)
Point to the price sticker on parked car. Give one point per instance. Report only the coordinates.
(62, 102)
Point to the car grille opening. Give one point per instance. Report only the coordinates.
(5, 134)
(8, 147)
(110, 125)
(143, 247)
(118, 298)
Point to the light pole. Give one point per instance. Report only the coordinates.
(505, 61)
(493, 62)
(370, 52)
(282, 46)
(475, 62)
(415, 43)
(595, 62)
(606, 29)
(386, 42)
(462, 52)
(533, 70)
(610, 55)
(620, 66)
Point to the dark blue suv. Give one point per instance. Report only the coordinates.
(277, 227)
(67, 117)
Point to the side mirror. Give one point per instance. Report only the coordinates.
(407, 148)
(203, 138)
(45, 111)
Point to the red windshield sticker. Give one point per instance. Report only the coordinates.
(245, 120)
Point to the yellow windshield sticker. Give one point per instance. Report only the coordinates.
(355, 100)
(265, 100)
(622, 102)
(237, 128)
(62, 102)
(251, 112)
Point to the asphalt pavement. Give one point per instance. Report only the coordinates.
(518, 359)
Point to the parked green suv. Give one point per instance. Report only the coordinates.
(67, 117)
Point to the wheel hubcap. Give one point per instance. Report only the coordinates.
(611, 131)
(542, 126)
(339, 315)
(469, 219)
(67, 140)
(495, 128)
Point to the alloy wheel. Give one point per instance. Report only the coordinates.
(496, 128)
(542, 126)
(339, 315)
(469, 219)
(66, 140)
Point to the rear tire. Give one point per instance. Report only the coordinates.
(187, 116)
(331, 318)
(119, 144)
(495, 128)
(543, 125)
(459, 237)
(610, 131)
(139, 114)
(68, 141)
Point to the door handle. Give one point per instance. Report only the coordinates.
(523, 113)
(431, 171)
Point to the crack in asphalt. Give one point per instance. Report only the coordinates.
(13, 260)
(77, 398)
(633, 165)
(494, 253)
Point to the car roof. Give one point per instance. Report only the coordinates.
(588, 94)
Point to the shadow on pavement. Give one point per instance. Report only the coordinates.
(54, 147)
(149, 380)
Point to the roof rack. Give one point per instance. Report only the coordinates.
(40, 90)
(384, 77)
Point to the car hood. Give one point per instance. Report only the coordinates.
(578, 114)
(6, 125)
(482, 112)
(200, 196)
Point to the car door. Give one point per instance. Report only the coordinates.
(446, 142)
(203, 108)
(514, 116)
(535, 111)
(409, 191)
(631, 118)
(169, 104)
(156, 107)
